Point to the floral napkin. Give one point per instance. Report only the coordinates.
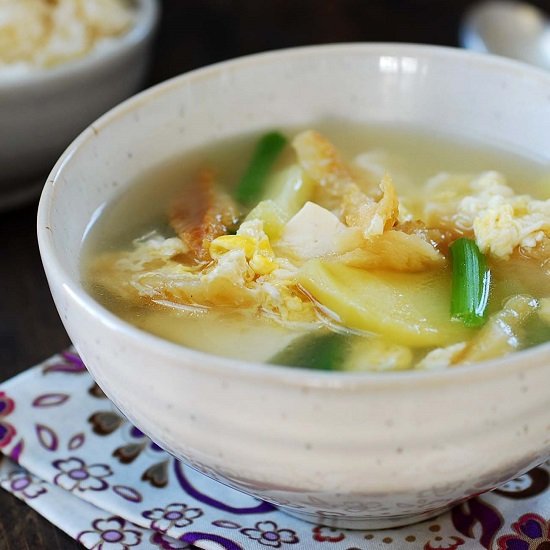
(72, 456)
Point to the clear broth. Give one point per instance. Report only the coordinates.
(416, 156)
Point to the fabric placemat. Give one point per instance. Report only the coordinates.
(72, 456)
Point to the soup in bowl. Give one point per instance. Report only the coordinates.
(320, 275)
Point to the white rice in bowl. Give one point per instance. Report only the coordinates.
(40, 34)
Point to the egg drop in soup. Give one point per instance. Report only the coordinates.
(334, 248)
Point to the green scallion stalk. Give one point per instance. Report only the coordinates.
(471, 283)
(326, 351)
(250, 188)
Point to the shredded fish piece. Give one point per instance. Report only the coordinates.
(340, 192)
(372, 217)
(393, 251)
(198, 220)
(322, 163)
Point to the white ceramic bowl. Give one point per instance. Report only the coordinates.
(42, 111)
(351, 450)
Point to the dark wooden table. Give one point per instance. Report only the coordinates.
(192, 33)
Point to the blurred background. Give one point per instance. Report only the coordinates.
(198, 32)
(191, 34)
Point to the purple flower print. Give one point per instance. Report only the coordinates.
(67, 362)
(7, 431)
(76, 475)
(24, 485)
(110, 534)
(174, 515)
(168, 543)
(267, 533)
(532, 533)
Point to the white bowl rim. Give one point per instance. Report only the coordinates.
(147, 18)
(292, 376)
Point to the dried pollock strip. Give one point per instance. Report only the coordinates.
(373, 217)
(322, 163)
(203, 216)
(438, 237)
(338, 191)
(394, 251)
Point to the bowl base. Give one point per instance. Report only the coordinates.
(363, 522)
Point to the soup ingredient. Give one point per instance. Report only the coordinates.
(379, 355)
(500, 220)
(285, 194)
(326, 351)
(394, 251)
(339, 190)
(503, 220)
(244, 273)
(327, 260)
(408, 308)
(199, 219)
(271, 215)
(503, 332)
(441, 358)
(471, 283)
(315, 232)
(254, 242)
(251, 186)
(322, 163)
(45, 33)
(290, 189)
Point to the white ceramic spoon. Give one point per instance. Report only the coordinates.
(509, 28)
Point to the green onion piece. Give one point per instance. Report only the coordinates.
(250, 188)
(322, 352)
(471, 283)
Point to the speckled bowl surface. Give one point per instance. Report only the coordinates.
(43, 110)
(349, 450)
